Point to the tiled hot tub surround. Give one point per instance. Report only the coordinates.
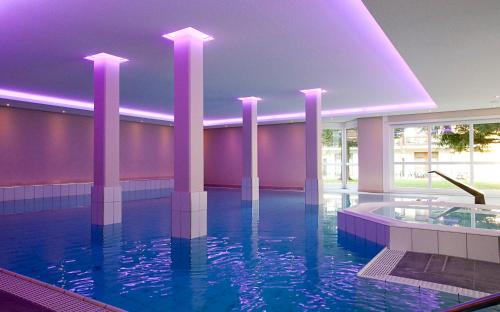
(471, 243)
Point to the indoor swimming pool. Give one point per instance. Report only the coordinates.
(278, 256)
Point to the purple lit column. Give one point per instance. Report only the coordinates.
(250, 181)
(189, 200)
(106, 191)
(314, 179)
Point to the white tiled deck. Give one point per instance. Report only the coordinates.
(48, 296)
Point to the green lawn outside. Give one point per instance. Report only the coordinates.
(422, 183)
(335, 181)
(442, 184)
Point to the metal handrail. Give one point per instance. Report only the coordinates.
(476, 304)
(478, 196)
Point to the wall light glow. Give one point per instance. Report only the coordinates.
(378, 109)
(105, 57)
(47, 100)
(188, 32)
(88, 106)
(81, 105)
(145, 114)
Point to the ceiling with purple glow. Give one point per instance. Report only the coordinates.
(453, 46)
(269, 49)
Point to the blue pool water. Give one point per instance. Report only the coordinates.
(277, 256)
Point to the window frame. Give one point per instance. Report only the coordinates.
(430, 162)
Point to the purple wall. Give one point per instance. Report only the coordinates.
(41, 147)
(281, 156)
(223, 156)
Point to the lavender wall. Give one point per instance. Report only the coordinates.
(281, 151)
(41, 147)
(223, 156)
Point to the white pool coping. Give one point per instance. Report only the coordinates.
(470, 243)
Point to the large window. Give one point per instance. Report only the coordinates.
(340, 157)
(332, 156)
(351, 163)
(464, 151)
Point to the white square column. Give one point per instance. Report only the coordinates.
(106, 192)
(314, 178)
(250, 180)
(189, 200)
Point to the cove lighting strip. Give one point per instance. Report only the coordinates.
(67, 103)
(88, 106)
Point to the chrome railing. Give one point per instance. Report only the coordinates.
(476, 304)
(478, 196)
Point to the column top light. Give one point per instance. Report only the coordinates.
(105, 57)
(188, 32)
(250, 99)
(310, 91)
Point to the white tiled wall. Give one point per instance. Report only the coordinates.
(481, 247)
(23, 192)
(425, 241)
(400, 238)
(452, 244)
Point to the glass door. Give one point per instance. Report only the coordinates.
(340, 157)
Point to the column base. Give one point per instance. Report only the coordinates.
(314, 191)
(106, 205)
(189, 214)
(250, 189)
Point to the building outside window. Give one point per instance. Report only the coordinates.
(468, 152)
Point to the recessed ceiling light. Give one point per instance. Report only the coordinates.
(64, 112)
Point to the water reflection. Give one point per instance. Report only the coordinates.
(313, 217)
(250, 228)
(189, 272)
(105, 250)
